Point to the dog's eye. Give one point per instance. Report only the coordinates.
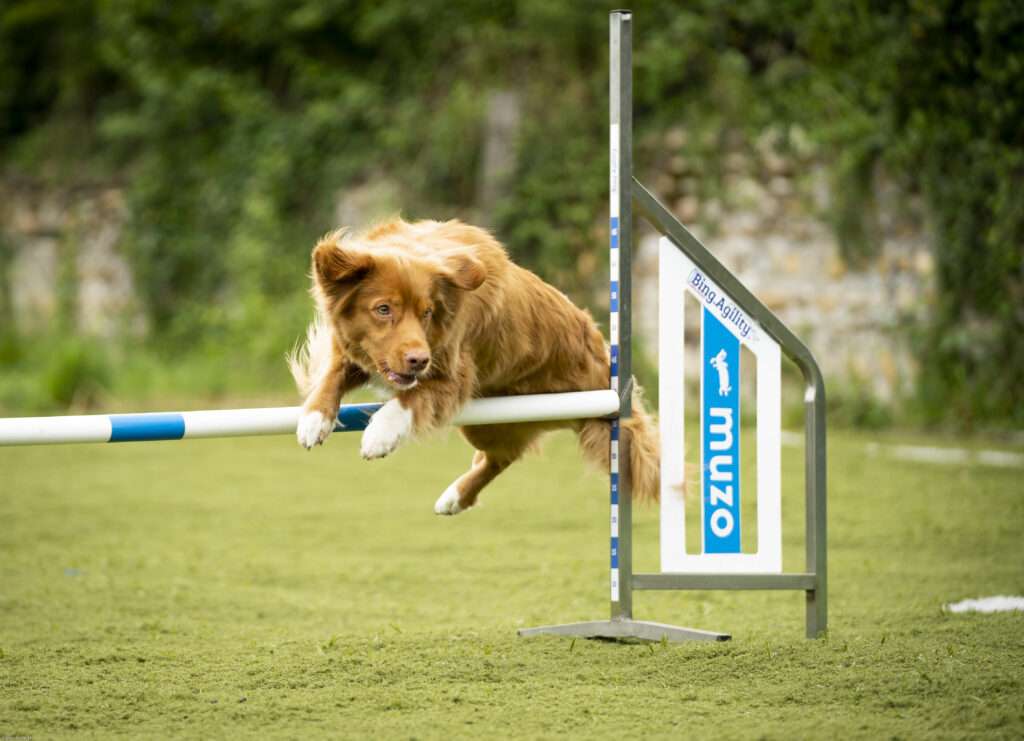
(383, 310)
(428, 313)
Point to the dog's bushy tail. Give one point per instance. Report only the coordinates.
(309, 360)
(644, 448)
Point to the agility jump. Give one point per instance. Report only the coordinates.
(731, 318)
(151, 426)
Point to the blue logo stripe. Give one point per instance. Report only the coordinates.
(720, 437)
(614, 295)
(614, 232)
(615, 553)
(615, 488)
(125, 428)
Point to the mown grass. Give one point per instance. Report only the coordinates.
(246, 588)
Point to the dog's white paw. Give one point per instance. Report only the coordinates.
(388, 427)
(313, 429)
(448, 503)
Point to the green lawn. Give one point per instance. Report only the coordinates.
(248, 588)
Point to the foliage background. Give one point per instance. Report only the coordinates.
(234, 124)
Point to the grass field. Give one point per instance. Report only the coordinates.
(244, 587)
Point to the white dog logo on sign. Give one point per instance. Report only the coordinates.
(719, 364)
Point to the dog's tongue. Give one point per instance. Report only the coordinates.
(399, 378)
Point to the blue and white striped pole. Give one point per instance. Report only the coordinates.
(118, 428)
(620, 228)
(613, 323)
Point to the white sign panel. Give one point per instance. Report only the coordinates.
(678, 275)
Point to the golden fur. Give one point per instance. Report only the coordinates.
(483, 325)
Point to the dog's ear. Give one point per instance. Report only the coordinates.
(465, 272)
(337, 269)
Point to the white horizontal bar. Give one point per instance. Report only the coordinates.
(103, 428)
(539, 407)
(241, 422)
(45, 430)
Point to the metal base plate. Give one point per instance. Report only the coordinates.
(626, 630)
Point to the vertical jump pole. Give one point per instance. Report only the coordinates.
(621, 625)
(620, 96)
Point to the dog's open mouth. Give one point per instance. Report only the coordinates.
(401, 380)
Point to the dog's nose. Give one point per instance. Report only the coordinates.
(416, 361)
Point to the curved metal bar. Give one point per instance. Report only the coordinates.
(815, 460)
(667, 224)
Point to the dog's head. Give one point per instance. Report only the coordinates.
(392, 308)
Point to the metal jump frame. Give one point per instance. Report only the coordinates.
(627, 192)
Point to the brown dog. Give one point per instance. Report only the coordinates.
(439, 314)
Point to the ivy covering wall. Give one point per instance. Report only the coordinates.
(233, 125)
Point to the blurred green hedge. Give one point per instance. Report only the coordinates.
(235, 123)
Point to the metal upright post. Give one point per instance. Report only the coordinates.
(621, 626)
(816, 482)
(620, 98)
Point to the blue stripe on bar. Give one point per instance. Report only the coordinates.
(615, 553)
(614, 232)
(615, 429)
(615, 360)
(353, 417)
(615, 488)
(128, 428)
(614, 296)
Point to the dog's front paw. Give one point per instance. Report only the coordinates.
(448, 503)
(313, 429)
(388, 427)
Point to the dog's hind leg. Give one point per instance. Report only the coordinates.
(498, 446)
(462, 493)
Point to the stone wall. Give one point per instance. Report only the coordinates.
(766, 220)
(768, 223)
(67, 241)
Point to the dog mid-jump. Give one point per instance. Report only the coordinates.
(437, 314)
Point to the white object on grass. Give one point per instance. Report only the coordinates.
(1000, 603)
